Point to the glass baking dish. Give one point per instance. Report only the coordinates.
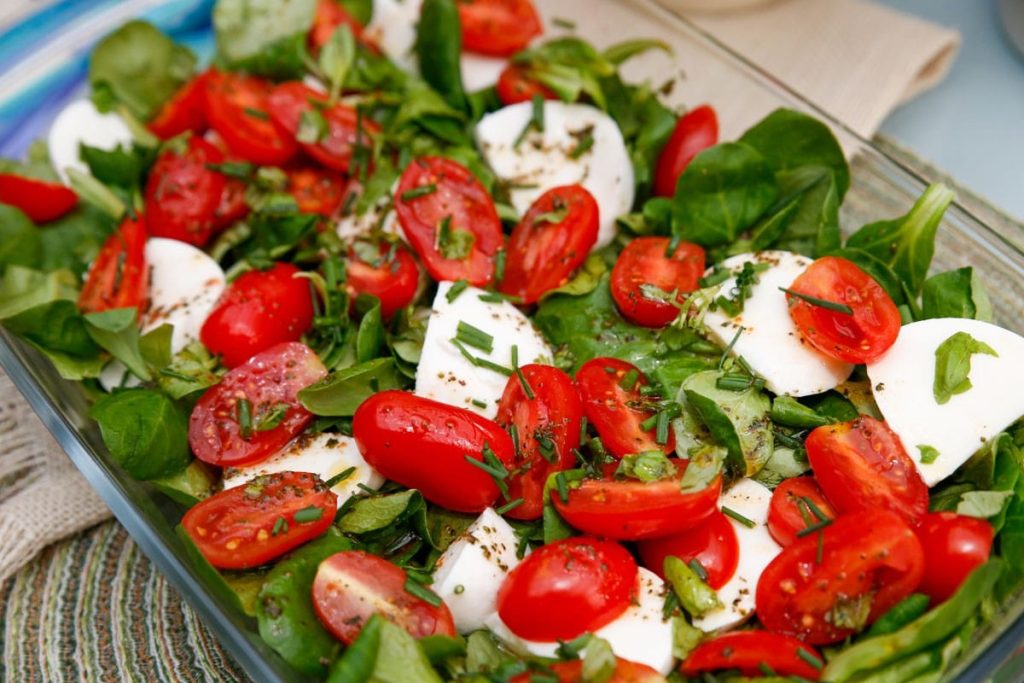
(43, 64)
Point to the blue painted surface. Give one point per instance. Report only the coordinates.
(972, 124)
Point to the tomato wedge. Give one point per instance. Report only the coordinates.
(794, 507)
(393, 278)
(645, 263)
(330, 14)
(237, 107)
(498, 27)
(184, 112)
(572, 672)
(449, 220)
(550, 242)
(695, 131)
(269, 382)
(712, 542)
(249, 525)
(119, 277)
(316, 191)
(40, 200)
(751, 652)
(515, 85)
(182, 194)
(954, 546)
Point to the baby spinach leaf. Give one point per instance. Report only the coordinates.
(379, 512)
(806, 218)
(190, 485)
(696, 597)
(117, 331)
(370, 335)
(877, 269)
(20, 244)
(339, 394)
(953, 365)
(787, 411)
(646, 125)
(956, 293)
(144, 431)
(57, 326)
(439, 49)
(400, 658)
(265, 37)
(357, 663)
(983, 504)
(191, 370)
(23, 288)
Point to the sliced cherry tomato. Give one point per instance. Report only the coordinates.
(547, 430)
(118, 277)
(183, 194)
(954, 546)
(330, 14)
(515, 85)
(750, 652)
(712, 542)
(40, 200)
(695, 131)
(498, 27)
(858, 338)
(257, 311)
(454, 227)
(861, 465)
(219, 431)
(579, 585)
(572, 672)
(352, 586)
(232, 206)
(237, 107)
(316, 191)
(393, 279)
(425, 445)
(550, 242)
(614, 405)
(644, 261)
(869, 562)
(184, 112)
(794, 507)
(249, 525)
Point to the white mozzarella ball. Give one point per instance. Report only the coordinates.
(184, 286)
(81, 123)
(393, 28)
(480, 71)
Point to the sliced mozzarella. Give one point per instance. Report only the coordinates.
(393, 29)
(757, 549)
(480, 71)
(445, 375)
(770, 342)
(470, 572)
(184, 285)
(903, 381)
(81, 123)
(325, 455)
(543, 159)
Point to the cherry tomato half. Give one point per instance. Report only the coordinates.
(793, 508)
(182, 194)
(352, 586)
(498, 27)
(749, 651)
(393, 279)
(712, 542)
(572, 672)
(858, 338)
(118, 278)
(40, 200)
(515, 85)
(861, 465)
(550, 242)
(249, 525)
(237, 107)
(316, 191)
(869, 562)
(184, 112)
(425, 444)
(330, 14)
(954, 546)
(579, 585)
(695, 131)
(226, 432)
(644, 261)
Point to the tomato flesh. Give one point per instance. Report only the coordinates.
(184, 112)
(237, 107)
(695, 131)
(316, 191)
(790, 513)
(393, 279)
(182, 194)
(712, 542)
(40, 200)
(498, 27)
(750, 651)
(644, 263)
(515, 86)
(572, 672)
(954, 546)
(118, 277)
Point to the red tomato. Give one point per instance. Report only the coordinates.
(40, 200)
(458, 205)
(185, 111)
(869, 561)
(425, 444)
(695, 131)
(514, 86)
(498, 27)
(543, 253)
(232, 206)
(237, 107)
(617, 411)
(748, 651)
(644, 261)
(859, 338)
(329, 16)
(182, 194)
(119, 277)
(954, 546)
(572, 672)
(249, 525)
(547, 428)
(787, 509)
(861, 465)
(394, 279)
(316, 191)
(257, 311)
(269, 381)
(352, 586)
(712, 543)
(579, 585)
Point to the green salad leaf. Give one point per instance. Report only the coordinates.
(439, 49)
(340, 393)
(953, 365)
(145, 432)
(264, 37)
(956, 293)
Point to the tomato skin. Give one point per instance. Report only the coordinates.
(542, 255)
(695, 131)
(747, 650)
(232, 206)
(316, 191)
(498, 27)
(184, 112)
(423, 444)
(329, 16)
(861, 465)
(40, 200)
(379, 589)
(394, 280)
(954, 546)
(609, 407)
(579, 584)
(712, 542)
(643, 261)
(871, 552)
(515, 86)
(119, 276)
(257, 311)
(236, 107)
(555, 414)
(859, 338)
(784, 517)
(572, 672)
(458, 195)
(234, 529)
(182, 195)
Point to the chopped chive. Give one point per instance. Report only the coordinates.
(814, 508)
(745, 521)
(527, 389)
(805, 512)
(698, 569)
(256, 113)
(340, 477)
(820, 303)
(478, 403)
(563, 487)
(499, 266)
(821, 548)
(738, 382)
(309, 514)
(670, 604)
(728, 349)
(787, 441)
(421, 191)
(280, 526)
(810, 658)
(474, 336)
(545, 446)
(586, 141)
(513, 432)
(817, 526)
(766, 669)
(418, 590)
(243, 415)
(524, 542)
(650, 423)
(629, 380)
(661, 428)
(511, 505)
(536, 121)
(583, 429)
(498, 297)
(481, 362)
(563, 23)
(458, 287)
(745, 365)
(492, 466)
(167, 372)
(273, 418)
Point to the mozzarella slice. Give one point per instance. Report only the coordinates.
(393, 29)
(757, 549)
(770, 342)
(81, 123)
(445, 374)
(903, 381)
(543, 159)
(325, 455)
(480, 71)
(470, 572)
(184, 285)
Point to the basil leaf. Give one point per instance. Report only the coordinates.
(370, 335)
(339, 394)
(265, 37)
(20, 243)
(57, 326)
(599, 661)
(144, 431)
(439, 49)
(121, 167)
(956, 294)
(483, 654)
(953, 365)
(647, 466)
(117, 331)
(787, 411)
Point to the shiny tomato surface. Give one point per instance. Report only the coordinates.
(498, 27)
(237, 107)
(695, 131)
(182, 193)
(119, 276)
(515, 85)
(393, 278)
(185, 112)
(712, 542)
(750, 652)
(645, 263)
(954, 546)
(793, 506)
(40, 200)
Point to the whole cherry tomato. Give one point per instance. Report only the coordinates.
(645, 263)
(118, 277)
(954, 546)
(498, 27)
(750, 652)
(40, 200)
(712, 542)
(695, 131)
(237, 107)
(794, 507)
(182, 193)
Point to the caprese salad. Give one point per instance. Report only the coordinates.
(469, 360)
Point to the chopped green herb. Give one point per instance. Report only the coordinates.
(647, 466)
(458, 287)
(256, 113)
(953, 365)
(741, 289)
(817, 526)
(478, 403)
(584, 142)
(929, 454)
(536, 121)
(527, 389)
(563, 23)
(583, 429)
(498, 297)
(729, 512)
(698, 569)
(820, 303)
(243, 415)
(454, 244)
(240, 170)
(766, 669)
(563, 487)
(511, 505)
(459, 589)
(308, 514)
(416, 192)
(499, 265)
(545, 445)
(272, 418)
(474, 336)
(729, 348)
(481, 362)
(661, 428)
(418, 590)
(821, 548)
(340, 477)
(492, 466)
(312, 127)
(629, 379)
(738, 382)
(280, 526)
(810, 658)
